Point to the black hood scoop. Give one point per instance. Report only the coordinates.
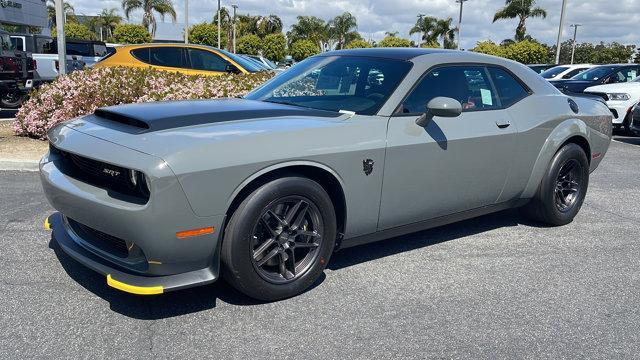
(156, 116)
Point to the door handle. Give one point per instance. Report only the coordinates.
(502, 124)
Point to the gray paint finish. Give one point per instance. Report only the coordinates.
(452, 166)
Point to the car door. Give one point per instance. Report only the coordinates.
(452, 164)
(208, 62)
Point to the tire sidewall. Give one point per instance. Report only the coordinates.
(236, 247)
(547, 190)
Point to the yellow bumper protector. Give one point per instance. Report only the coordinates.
(138, 290)
(47, 224)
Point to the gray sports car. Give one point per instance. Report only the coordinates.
(345, 148)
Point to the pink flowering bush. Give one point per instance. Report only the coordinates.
(82, 92)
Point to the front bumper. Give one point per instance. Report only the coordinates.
(619, 110)
(150, 252)
(120, 278)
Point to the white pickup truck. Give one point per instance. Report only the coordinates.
(42, 48)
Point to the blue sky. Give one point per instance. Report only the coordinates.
(602, 20)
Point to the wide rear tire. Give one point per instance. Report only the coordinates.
(280, 239)
(563, 188)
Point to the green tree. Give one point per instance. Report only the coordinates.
(527, 52)
(68, 10)
(75, 31)
(358, 44)
(393, 41)
(108, 19)
(490, 48)
(343, 29)
(205, 34)
(249, 44)
(446, 33)
(131, 34)
(427, 26)
(302, 49)
(309, 28)
(266, 25)
(522, 10)
(274, 47)
(430, 45)
(148, 7)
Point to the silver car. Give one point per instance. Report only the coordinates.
(345, 148)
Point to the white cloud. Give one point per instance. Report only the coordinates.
(602, 20)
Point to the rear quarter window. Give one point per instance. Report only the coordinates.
(509, 89)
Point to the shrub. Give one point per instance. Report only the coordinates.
(393, 41)
(358, 44)
(74, 30)
(274, 47)
(206, 34)
(82, 92)
(526, 51)
(302, 49)
(249, 44)
(131, 34)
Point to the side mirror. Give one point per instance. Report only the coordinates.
(440, 106)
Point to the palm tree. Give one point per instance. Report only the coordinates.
(391, 33)
(521, 9)
(69, 12)
(445, 32)
(427, 26)
(309, 28)
(109, 19)
(162, 7)
(266, 25)
(225, 24)
(343, 29)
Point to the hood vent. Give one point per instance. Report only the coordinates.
(121, 118)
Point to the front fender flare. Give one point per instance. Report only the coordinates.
(561, 133)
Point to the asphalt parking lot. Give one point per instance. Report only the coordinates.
(492, 287)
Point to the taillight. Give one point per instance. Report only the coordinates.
(34, 64)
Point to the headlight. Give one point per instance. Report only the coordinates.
(619, 96)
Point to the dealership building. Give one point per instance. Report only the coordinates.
(24, 13)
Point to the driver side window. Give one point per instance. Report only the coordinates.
(469, 85)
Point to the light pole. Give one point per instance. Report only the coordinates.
(62, 43)
(573, 46)
(235, 7)
(219, 27)
(460, 22)
(564, 6)
(186, 21)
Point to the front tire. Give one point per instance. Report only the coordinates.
(563, 188)
(280, 239)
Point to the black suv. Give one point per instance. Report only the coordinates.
(16, 73)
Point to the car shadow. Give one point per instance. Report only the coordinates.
(205, 297)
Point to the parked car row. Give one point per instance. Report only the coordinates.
(616, 84)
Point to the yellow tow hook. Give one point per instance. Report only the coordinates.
(47, 224)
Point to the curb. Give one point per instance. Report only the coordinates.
(18, 165)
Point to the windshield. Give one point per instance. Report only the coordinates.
(553, 72)
(248, 65)
(594, 73)
(335, 83)
(254, 61)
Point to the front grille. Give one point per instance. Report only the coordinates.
(105, 242)
(113, 178)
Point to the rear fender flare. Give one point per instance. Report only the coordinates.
(560, 134)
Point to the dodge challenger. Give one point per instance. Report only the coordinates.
(345, 148)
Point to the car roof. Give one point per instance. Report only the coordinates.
(387, 53)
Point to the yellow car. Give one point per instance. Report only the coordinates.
(184, 58)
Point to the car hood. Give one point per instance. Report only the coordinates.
(615, 88)
(166, 128)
